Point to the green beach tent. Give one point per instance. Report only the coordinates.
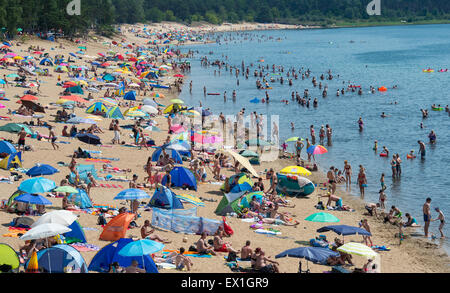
(114, 113)
(230, 203)
(8, 257)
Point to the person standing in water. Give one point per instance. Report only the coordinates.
(362, 181)
(322, 134)
(441, 218)
(422, 149)
(361, 124)
(329, 134)
(426, 215)
(313, 134)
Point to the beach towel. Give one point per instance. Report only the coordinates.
(110, 186)
(189, 253)
(165, 266)
(85, 247)
(97, 160)
(270, 232)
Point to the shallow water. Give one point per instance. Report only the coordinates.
(379, 56)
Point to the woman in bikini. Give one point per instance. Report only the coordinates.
(148, 169)
(348, 174)
(362, 180)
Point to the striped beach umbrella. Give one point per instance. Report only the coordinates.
(316, 150)
(358, 249)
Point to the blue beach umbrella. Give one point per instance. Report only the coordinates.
(37, 185)
(314, 254)
(89, 138)
(33, 199)
(131, 194)
(345, 230)
(41, 169)
(141, 248)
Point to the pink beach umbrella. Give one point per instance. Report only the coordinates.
(177, 128)
(2, 106)
(316, 150)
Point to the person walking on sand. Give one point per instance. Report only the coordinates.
(22, 135)
(426, 215)
(52, 138)
(441, 218)
(116, 132)
(365, 226)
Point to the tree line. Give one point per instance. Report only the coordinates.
(43, 15)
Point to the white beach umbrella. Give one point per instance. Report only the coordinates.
(65, 218)
(45, 230)
(149, 109)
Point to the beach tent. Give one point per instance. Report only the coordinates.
(81, 199)
(108, 77)
(61, 258)
(97, 107)
(22, 222)
(46, 61)
(8, 257)
(13, 197)
(246, 199)
(75, 90)
(15, 127)
(165, 198)
(230, 203)
(244, 183)
(76, 235)
(110, 253)
(295, 185)
(182, 177)
(130, 96)
(11, 161)
(172, 154)
(117, 227)
(114, 113)
(6, 147)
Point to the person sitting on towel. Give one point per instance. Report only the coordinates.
(149, 234)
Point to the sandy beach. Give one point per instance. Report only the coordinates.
(414, 255)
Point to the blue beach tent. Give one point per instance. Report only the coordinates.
(110, 253)
(182, 177)
(6, 147)
(130, 96)
(60, 257)
(165, 198)
(172, 153)
(81, 199)
(76, 233)
(114, 113)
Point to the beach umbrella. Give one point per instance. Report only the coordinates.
(316, 150)
(149, 109)
(152, 128)
(248, 153)
(77, 120)
(14, 75)
(62, 217)
(37, 185)
(15, 127)
(322, 217)
(66, 189)
(345, 230)
(256, 142)
(74, 98)
(177, 101)
(89, 138)
(2, 106)
(317, 255)
(296, 170)
(29, 98)
(44, 231)
(243, 161)
(41, 169)
(141, 248)
(293, 139)
(131, 194)
(33, 106)
(358, 249)
(33, 199)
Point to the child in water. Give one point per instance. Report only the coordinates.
(375, 147)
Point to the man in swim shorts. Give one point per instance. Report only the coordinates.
(427, 215)
(422, 149)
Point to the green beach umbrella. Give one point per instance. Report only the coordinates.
(15, 127)
(255, 141)
(293, 139)
(66, 189)
(177, 101)
(248, 153)
(322, 217)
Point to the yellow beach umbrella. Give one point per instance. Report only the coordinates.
(18, 57)
(61, 101)
(358, 249)
(83, 83)
(296, 170)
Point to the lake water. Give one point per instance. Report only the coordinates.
(377, 56)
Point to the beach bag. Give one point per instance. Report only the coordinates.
(227, 227)
(101, 220)
(192, 248)
(232, 256)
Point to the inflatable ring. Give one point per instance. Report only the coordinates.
(383, 155)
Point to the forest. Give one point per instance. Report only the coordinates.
(44, 15)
